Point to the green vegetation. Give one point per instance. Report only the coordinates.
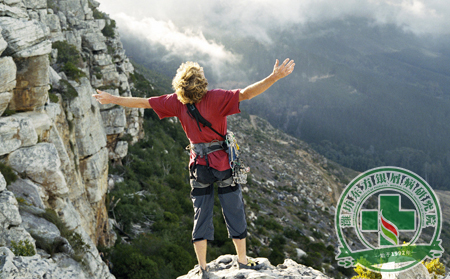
(97, 72)
(23, 248)
(8, 173)
(53, 98)
(435, 268)
(9, 112)
(70, 59)
(74, 238)
(108, 30)
(67, 91)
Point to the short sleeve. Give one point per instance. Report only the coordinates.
(165, 105)
(226, 102)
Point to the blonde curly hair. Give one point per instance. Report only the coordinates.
(190, 83)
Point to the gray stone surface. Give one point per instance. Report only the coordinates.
(8, 72)
(2, 182)
(32, 87)
(35, 4)
(12, 11)
(9, 211)
(95, 175)
(41, 164)
(16, 132)
(72, 137)
(4, 101)
(94, 41)
(3, 43)
(41, 123)
(25, 37)
(60, 266)
(225, 267)
(32, 194)
(120, 151)
(114, 120)
(417, 272)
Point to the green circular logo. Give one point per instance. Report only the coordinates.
(388, 219)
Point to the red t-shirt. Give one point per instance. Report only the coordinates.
(215, 106)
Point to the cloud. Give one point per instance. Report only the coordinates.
(255, 17)
(185, 43)
(182, 28)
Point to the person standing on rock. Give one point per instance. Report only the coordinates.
(215, 105)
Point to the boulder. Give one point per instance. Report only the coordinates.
(120, 151)
(46, 234)
(2, 183)
(32, 83)
(25, 38)
(35, 4)
(84, 114)
(417, 272)
(9, 211)
(94, 41)
(53, 22)
(74, 10)
(94, 171)
(40, 121)
(53, 77)
(16, 132)
(8, 72)
(3, 43)
(31, 193)
(4, 101)
(114, 120)
(12, 11)
(41, 164)
(226, 267)
(59, 266)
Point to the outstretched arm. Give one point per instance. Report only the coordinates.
(132, 102)
(259, 87)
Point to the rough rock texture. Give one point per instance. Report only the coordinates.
(32, 83)
(2, 183)
(25, 38)
(16, 132)
(32, 193)
(35, 267)
(417, 272)
(225, 267)
(10, 221)
(8, 71)
(42, 165)
(55, 138)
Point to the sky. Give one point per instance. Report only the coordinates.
(182, 27)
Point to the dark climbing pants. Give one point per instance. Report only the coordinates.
(202, 196)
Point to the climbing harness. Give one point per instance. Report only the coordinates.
(229, 144)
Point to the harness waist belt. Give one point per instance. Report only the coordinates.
(202, 149)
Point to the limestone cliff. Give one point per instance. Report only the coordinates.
(54, 136)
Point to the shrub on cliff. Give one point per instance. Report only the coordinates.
(69, 58)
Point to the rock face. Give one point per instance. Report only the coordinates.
(225, 267)
(55, 137)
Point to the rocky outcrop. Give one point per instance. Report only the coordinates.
(60, 266)
(55, 137)
(225, 267)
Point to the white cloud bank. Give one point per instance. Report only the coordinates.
(179, 25)
(185, 43)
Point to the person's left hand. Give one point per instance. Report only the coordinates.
(284, 69)
(103, 97)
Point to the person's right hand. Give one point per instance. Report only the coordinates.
(284, 69)
(103, 97)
